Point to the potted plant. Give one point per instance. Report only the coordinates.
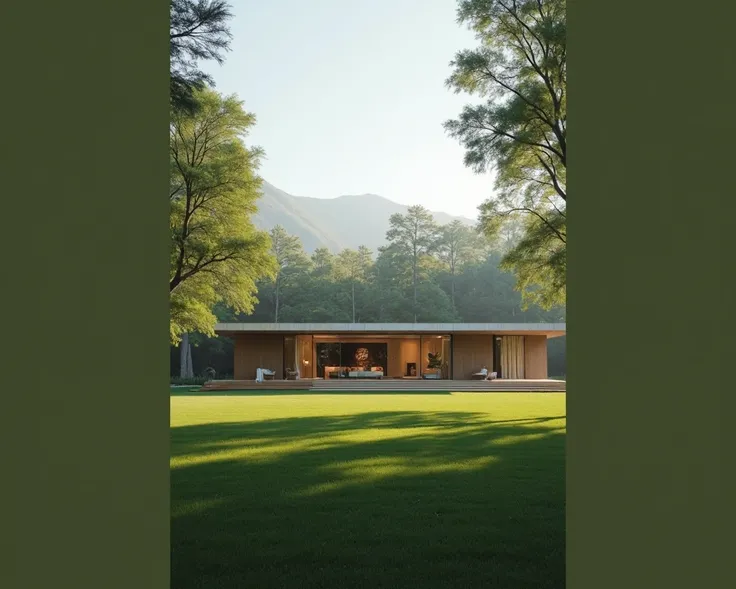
(434, 363)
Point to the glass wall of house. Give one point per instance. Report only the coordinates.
(304, 356)
(497, 339)
(367, 356)
(328, 359)
(436, 358)
(289, 356)
(447, 356)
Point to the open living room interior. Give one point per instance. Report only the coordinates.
(368, 357)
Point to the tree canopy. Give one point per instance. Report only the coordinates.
(198, 31)
(519, 131)
(216, 252)
(411, 238)
(352, 285)
(458, 244)
(291, 263)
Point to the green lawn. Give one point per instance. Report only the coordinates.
(368, 490)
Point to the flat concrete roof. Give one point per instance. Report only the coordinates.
(548, 329)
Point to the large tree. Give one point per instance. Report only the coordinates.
(291, 263)
(412, 237)
(323, 262)
(519, 131)
(353, 266)
(216, 252)
(458, 245)
(198, 31)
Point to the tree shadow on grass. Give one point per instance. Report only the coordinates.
(208, 438)
(380, 499)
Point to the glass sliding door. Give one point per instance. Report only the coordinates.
(329, 360)
(434, 359)
(496, 366)
(304, 347)
(447, 357)
(290, 364)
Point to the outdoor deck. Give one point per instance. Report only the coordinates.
(389, 384)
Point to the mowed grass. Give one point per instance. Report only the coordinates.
(368, 490)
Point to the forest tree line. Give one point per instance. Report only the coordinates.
(424, 273)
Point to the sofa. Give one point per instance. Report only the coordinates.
(353, 372)
(372, 373)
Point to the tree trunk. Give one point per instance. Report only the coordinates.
(190, 367)
(353, 302)
(414, 280)
(276, 315)
(183, 345)
(185, 357)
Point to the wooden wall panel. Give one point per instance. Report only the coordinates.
(535, 351)
(470, 353)
(401, 351)
(255, 351)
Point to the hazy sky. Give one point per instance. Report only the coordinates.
(350, 98)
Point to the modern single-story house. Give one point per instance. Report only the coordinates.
(454, 351)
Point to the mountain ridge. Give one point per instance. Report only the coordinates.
(346, 221)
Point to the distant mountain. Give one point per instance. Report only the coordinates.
(334, 223)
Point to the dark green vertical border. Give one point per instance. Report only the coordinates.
(84, 228)
(651, 130)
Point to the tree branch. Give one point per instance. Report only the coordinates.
(560, 236)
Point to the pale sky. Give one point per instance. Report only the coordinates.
(350, 98)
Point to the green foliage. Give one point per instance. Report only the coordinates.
(190, 309)
(458, 244)
(323, 262)
(216, 252)
(191, 380)
(352, 269)
(198, 31)
(433, 304)
(540, 262)
(520, 69)
(353, 265)
(413, 235)
(434, 361)
(291, 263)
(412, 238)
(382, 290)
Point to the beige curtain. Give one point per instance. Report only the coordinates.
(512, 356)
